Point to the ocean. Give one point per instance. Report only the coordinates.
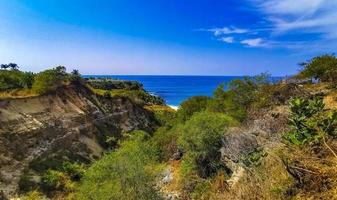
(176, 89)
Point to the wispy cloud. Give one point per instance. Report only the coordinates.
(227, 39)
(225, 31)
(309, 23)
(304, 16)
(256, 42)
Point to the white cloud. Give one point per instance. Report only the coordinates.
(305, 16)
(294, 7)
(298, 19)
(227, 39)
(225, 31)
(257, 42)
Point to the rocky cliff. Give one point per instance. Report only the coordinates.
(70, 124)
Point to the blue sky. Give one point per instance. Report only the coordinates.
(190, 37)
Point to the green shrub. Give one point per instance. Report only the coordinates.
(254, 158)
(49, 80)
(15, 80)
(164, 142)
(252, 91)
(34, 195)
(201, 137)
(74, 170)
(224, 102)
(309, 122)
(192, 105)
(111, 84)
(54, 180)
(322, 67)
(123, 174)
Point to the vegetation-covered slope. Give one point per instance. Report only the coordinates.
(47, 139)
(256, 140)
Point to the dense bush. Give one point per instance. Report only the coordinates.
(322, 67)
(200, 137)
(110, 84)
(34, 195)
(252, 91)
(49, 80)
(15, 79)
(74, 170)
(224, 102)
(242, 95)
(123, 174)
(191, 106)
(164, 142)
(56, 180)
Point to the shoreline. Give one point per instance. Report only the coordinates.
(173, 107)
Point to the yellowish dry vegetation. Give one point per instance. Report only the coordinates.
(331, 100)
(18, 93)
(163, 108)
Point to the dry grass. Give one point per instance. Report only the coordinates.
(315, 168)
(331, 100)
(17, 94)
(163, 108)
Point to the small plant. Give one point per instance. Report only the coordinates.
(34, 195)
(74, 170)
(309, 122)
(255, 158)
(54, 180)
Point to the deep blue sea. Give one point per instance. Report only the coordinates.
(176, 89)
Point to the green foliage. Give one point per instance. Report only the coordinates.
(252, 91)
(224, 102)
(165, 115)
(34, 195)
(145, 98)
(192, 105)
(49, 80)
(74, 170)
(322, 67)
(75, 76)
(242, 95)
(201, 139)
(112, 84)
(309, 122)
(55, 180)
(131, 89)
(15, 80)
(123, 174)
(254, 158)
(164, 142)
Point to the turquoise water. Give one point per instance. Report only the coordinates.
(175, 89)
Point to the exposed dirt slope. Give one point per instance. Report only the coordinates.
(71, 124)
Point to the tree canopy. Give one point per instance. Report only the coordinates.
(323, 68)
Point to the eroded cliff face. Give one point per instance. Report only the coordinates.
(71, 124)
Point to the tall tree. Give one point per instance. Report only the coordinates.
(13, 66)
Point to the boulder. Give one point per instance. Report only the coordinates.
(237, 144)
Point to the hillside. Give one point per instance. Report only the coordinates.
(106, 139)
(70, 124)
